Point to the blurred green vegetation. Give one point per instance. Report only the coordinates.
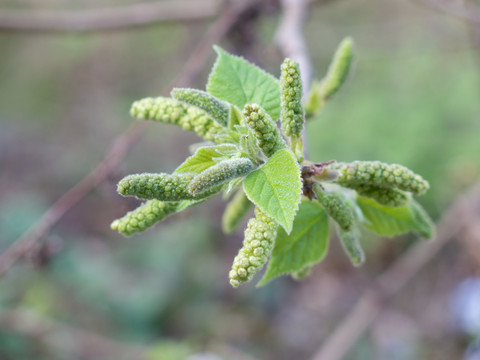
(64, 98)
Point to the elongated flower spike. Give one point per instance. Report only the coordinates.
(164, 187)
(216, 108)
(144, 217)
(384, 196)
(338, 70)
(219, 174)
(378, 174)
(257, 247)
(267, 134)
(352, 247)
(336, 209)
(235, 211)
(172, 111)
(292, 113)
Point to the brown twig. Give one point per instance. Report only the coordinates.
(463, 212)
(141, 14)
(290, 39)
(467, 12)
(191, 70)
(78, 343)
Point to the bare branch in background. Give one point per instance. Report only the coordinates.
(290, 37)
(462, 11)
(124, 142)
(141, 14)
(462, 214)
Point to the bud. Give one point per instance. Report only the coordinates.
(172, 111)
(143, 217)
(235, 211)
(218, 174)
(292, 113)
(257, 247)
(216, 108)
(268, 136)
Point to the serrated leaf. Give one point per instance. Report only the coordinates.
(392, 221)
(239, 82)
(205, 157)
(306, 246)
(276, 188)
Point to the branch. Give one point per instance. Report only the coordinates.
(141, 14)
(191, 70)
(462, 11)
(462, 213)
(290, 39)
(77, 342)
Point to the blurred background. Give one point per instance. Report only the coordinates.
(85, 292)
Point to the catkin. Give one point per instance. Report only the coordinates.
(143, 217)
(292, 113)
(266, 133)
(172, 111)
(257, 247)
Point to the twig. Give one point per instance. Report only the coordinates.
(141, 14)
(464, 12)
(456, 219)
(78, 343)
(290, 39)
(191, 70)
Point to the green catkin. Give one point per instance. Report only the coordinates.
(338, 70)
(216, 108)
(143, 217)
(378, 174)
(219, 174)
(337, 209)
(352, 247)
(164, 187)
(172, 111)
(257, 247)
(384, 196)
(266, 133)
(292, 113)
(235, 211)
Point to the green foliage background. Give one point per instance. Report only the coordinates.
(64, 98)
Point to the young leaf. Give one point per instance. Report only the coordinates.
(276, 188)
(391, 221)
(306, 246)
(239, 82)
(205, 157)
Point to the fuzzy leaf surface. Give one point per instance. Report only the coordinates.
(276, 188)
(239, 82)
(305, 246)
(392, 221)
(205, 157)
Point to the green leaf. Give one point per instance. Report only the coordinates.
(205, 157)
(306, 246)
(276, 188)
(235, 117)
(239, 82)
(392, 221)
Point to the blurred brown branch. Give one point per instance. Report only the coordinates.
(462, 214)
(124, 142)
(75, 341)
(141, 14)
(458, 9)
